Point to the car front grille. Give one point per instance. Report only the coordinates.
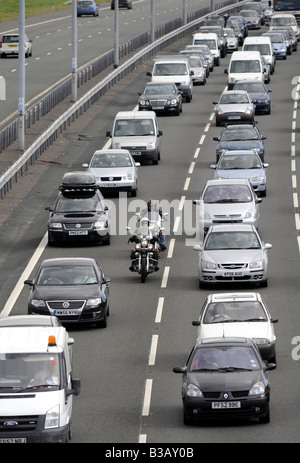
(233, 266)
(220, 395)
(111, 179)
(23, 423)
(155, 103)
(61, 305)
(74, 226)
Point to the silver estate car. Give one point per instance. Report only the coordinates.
(234, 106)
(115, 170)
(226, 201)
(232, 253)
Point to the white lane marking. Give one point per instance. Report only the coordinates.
(159, 309)
(153, 349)
(147, 397)
(165, 277)
(171, 248)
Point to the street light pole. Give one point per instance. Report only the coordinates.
(74, 51)
(152, 37)
(21, 76)
(116, 34)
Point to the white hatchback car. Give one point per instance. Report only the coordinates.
(115, 170)
(238, 314)
(9, 45)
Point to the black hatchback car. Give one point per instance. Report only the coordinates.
(223, 378)
(79, 211)
(73, 289)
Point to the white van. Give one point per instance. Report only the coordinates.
(262, 44)
(137, 132)
(175, 69)
(36, 384)
(285, 19)
(211, 40)
(244, 65)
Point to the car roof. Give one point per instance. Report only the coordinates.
(112, 151)
(29, 320)
(239, 152)
(227, 181)
(136, 115)
(233, 92)
(67, 261)
(225, 341)
(238, 127)
(229, 227)
(223, 297)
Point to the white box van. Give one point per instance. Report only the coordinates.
(285, 19)
(137, 132)
(244, 65)
(211, 40)
(36, 384)
(262, 44)
(176, 69)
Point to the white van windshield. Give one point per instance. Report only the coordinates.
(26, 371)
(170, 69)
(134, 127)
(212, 45)
(284, 21)
(240, 66)
(263, 48)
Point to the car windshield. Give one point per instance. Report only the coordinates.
(283, 21)
(251, 65)
(231, 240)
(212, 44)
(159, 89)
(229, 32)
(195, 61)
(170, 69)
(243, 161)
(239, 134)
(66, 275)
(29, 371)
(227, 194)
(67, 204)
(234, 311)
(227, 358)
(110, 160)
(234, 98)
(134, 127)
(276, 38)
(251, 86)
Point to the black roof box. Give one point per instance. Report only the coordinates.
(79, 180)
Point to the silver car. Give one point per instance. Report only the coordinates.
(227, 201)
(232, 39)
(243, 164)
(234, 106)
(114, 170)
(197, 66)
(233, 254)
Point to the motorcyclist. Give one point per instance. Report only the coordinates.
(138, 236)
(155, 215)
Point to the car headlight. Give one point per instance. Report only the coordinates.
(150, 146)
(130, 176)
(257, 388)
(249, 214)
(248, 111)
(52, 418)
(261, 341)
(143, 102)
(206, 215)
(193, 391)
(173, 101)
(207, 265)
(94, 302)
(257, 179)
(256, 265)
(101, 225)
(55, 225)
(38, 303)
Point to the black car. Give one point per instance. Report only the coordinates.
(75, 290)
(225, 378)
(161, 97)
(240, 137)
(122, 3)
(79, 211)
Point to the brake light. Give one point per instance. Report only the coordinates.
(1, 42)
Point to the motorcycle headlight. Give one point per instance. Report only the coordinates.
(257, 388)
(144, 243)
(138, 246)
(193, 391)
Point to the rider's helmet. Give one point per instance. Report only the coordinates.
(151, 205)
(144, 222)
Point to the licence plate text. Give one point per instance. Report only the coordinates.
(218, 405)
(78, 232)
(232, 274)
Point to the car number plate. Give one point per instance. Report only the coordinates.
(65, 312)
(232, 274)
(233, 117)
(218, 405)
(78, 232)
(135, 153)
(12, 46)
(13, 440)
(111, 185)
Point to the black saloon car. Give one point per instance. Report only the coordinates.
(74, 289)
(161, 97)
(223, 378)
(79, 212)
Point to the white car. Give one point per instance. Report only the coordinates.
(114, 169)
(9, 45)
(238, 315)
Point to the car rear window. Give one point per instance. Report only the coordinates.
(10, 39)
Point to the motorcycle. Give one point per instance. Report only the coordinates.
(145, 254)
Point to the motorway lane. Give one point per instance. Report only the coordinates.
(109, 408)
(52, 43)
